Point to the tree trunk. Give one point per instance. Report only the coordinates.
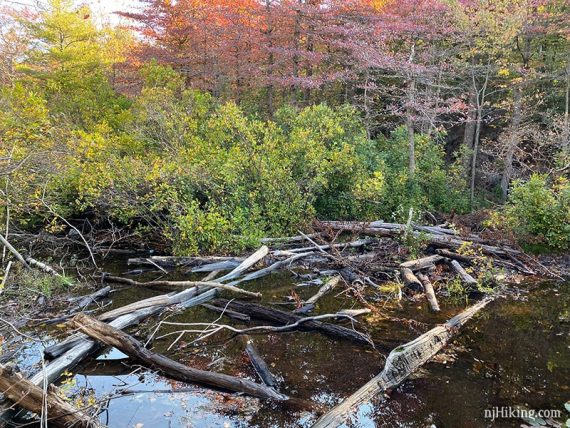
(410, 127)
(512, 141)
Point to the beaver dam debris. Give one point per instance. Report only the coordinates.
(367, 262)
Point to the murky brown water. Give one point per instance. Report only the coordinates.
(516, 353)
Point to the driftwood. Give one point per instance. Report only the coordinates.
(113, 337)
(430, 293)
(41, 266)
(246, 264)
(273, 267)
(217, 266)
(515, 265)
(58, 412)
(208, 284)
(326, 288)
(285, 318)
(422, 263)
(353, 244)
(410, 280)
(83, 302)
(465, 277)
(436, 240)
(231, 314)
(15, 252)
(401, 362)
(173, 262)
(354, 312)
(125, 316)
(259, 364)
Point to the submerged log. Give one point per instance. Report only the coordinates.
(285, 318)
(229, 313)
(59, 412)
(422, 263)
(128, 345)
(401, 362)
(465, 277)
(430, 293)
(259, 364)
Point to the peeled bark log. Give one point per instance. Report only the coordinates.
(218, 266)
(284, 318)
(465, 277)
(128, 345)
(430, 293)
(422, 263)
(269, 269)
(208, 284)
(60, 413)
(401, 362)
(172, 262)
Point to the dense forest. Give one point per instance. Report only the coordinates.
(208, 125)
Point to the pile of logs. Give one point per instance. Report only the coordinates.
(356, 265)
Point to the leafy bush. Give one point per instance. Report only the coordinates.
(538, 212)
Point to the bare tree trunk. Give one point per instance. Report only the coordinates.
(512, 140)
(410, 126)
(480, 95)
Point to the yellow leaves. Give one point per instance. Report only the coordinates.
(503, 72)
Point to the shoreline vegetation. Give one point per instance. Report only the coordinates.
(382, 151)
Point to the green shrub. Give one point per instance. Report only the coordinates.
(538, 212)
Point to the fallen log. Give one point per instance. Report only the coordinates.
(465, 277)
(58, 411)
(125, 316)
(173, 262)
(410, 280)
(259, 364)
(246, 264)
(429, 292)
(129, 346)
(469, 260)
(289, 239)
(285, 318)
(41, 266)
(326, 288)
(269, 269)
(422, 263)
(353, 244)
(217, 266)
(209, 284)
(229, 313)
(401, 362)
(85, 301)
(444, 241)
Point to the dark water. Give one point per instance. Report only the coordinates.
(517, 352)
